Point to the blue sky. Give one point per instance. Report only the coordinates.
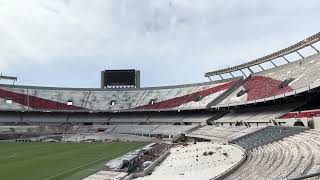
(68, 42)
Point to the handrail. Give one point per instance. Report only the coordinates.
(234, 167)
(304, 176)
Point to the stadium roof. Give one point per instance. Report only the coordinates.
(294, 48)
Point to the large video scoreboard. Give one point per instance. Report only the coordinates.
(123, 78)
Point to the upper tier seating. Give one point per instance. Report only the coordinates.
(290, 157)
(193, 96)
(266, 85)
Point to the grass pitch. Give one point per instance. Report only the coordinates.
(52, 161)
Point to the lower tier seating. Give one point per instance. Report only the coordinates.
(289, 157)
(171, 130)
(266, 135)
(221, 133)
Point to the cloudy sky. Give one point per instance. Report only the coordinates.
(68, 42)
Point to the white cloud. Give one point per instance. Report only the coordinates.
(171, 41)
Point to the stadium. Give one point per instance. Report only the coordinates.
(261, 124)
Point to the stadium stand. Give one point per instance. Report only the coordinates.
(165, 119)
(168, 130)
(268, 85)
(128, 119)
(203, 160)
(301, 114)
(240, 121)
(172, 130)
(97, 132)
(106, 175)
(135, 129)
(200, 96)
(200, 119)
(255, 116)
(181, 97)
(101, 137)
(87, 119)
(290, 157)
(266, 135)
(220, 133)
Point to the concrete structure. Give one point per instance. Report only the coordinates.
(221, 133)
(181, 97)
(276, 83)
(291, 157)
(204, 160)
(107, 175)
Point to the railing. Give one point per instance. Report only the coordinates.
(304, 176)
(233, 168)
(154, 164)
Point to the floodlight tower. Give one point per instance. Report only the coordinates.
(12, 78)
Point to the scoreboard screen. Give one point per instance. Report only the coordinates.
(127, 77)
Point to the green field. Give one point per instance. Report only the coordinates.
(51, 161)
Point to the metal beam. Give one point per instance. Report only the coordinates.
(286, 59)
(314, 48)
(261, 67)
(220, 76)
(250, 70)
(8, 78)
(13, 79)
(243, 73)
(273, 63)
(231, 74)
(300, 45)
(300, 54)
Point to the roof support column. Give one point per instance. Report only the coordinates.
(286, 59)
(261, 67)
(231, 74)
(300, 54)
(314, 48)
(273, 63)
(209, 78)
(250, 70)
(243, 73)
(221, 76)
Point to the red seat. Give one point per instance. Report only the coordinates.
(260, 87)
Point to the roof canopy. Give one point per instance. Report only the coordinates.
(294, 48)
